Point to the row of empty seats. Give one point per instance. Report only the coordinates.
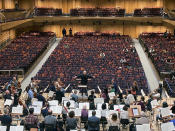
(47, 12)
(148, 12)
(170, 86)
(24, 50)
(97, 12)
(160, 48)
(104, 57)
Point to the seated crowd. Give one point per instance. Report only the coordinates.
(160, 48)
(47, 12)
(24, 50)
(97, 12)
(148, 12)
(105, 56)
(53, 111)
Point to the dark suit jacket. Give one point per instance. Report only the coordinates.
(93, 123)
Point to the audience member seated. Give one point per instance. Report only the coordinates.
(71, 122)
(50, 122)
(93, 122)
(47, 12)
(31, 121)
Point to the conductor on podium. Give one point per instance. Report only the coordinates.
(84, 80)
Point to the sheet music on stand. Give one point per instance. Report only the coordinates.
(8, 102)
(111, 95)
(56, 109)
(169, 126)
(17, 110)
(98, 100)
(53, 103)
(144, 127)
(118, 107)
(77, 112)
(81, 105)
(37, 110)
(16, 128)
(154, 103)
(165, 112)
(51, 93)
(65, 99)
(72, 103)
(110, 112)
(99, 106)
(3, 128)
(37, 103)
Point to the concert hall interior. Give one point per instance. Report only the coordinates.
(95, 65)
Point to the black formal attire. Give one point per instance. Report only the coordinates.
(84, 81)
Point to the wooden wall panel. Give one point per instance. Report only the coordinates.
(129, 5)
(170, 4)
(126, 29)
(26, 4)
(9, 4)
(0, 4)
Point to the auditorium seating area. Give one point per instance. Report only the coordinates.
(160, 49)
(24, 50)
(103, 12)
(11, 10)
(104, 56)
(47, 12)
(148, 12)
(4, 79)
(170, 86)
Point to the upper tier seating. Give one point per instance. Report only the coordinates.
(8, 15)
(101, 54)
(97, 12)
(47, 12)
(24, 50)
(161, 49)
(148, 12)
